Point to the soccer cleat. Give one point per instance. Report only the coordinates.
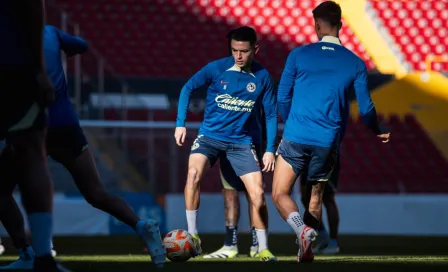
(305, 244)
(321, 242)
(331, 249)
(226, 252)
(2, 249)
(266, 256)
(253, 253)
(25, 262)
(150, 234)
(197, 244)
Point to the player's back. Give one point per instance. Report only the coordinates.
(323, 83)
(61, 112)
(53, 62)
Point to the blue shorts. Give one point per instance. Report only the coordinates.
(242, 157)
(65, 143)
(229, 179)
(332, 185)
(318, 161)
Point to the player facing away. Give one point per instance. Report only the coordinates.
(67, 145)
(237, 85)
(232, 185)
(25, 93)
(313, 100)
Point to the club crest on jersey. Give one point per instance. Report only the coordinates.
(251, 87)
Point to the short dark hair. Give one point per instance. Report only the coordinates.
(243, 34)
(328, 11)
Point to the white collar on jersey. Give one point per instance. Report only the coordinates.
(238, 69)
(331, 39)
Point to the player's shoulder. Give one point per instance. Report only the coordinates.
(51, 28)
(259, 70)
(222, 63)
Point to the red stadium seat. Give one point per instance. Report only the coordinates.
(411, 163)
(419, 28)
(175, 38)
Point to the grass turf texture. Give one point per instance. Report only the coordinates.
(360, 254)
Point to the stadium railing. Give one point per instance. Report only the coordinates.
(87, 73)
(152, 149)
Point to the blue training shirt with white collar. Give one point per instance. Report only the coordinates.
(233, 103)
(314, 92)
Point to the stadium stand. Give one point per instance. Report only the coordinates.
(174, 38)
(419, 28)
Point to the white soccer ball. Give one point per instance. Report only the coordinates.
(179, 245)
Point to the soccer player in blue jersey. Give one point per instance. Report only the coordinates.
(232, 185)
(25, 93)
(313, 100)
(237, 85)
(67, 145)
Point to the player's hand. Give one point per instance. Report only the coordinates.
(268, 162)
(179, 134)
(46, 91)
(385, 137)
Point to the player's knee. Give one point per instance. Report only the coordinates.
(257, 197)
(193, 177)
(230, 196)
(277, 196)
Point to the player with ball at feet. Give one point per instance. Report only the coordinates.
(237, 85)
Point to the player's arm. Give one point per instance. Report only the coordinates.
(202, 77)
(70, 44)
(285, 87)
(366, 107)
(270, 111)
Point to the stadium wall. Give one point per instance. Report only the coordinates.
(360, 215)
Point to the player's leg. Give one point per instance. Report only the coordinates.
(10, 214)
(321, 167)
(244, 161)
(204, 153)
(230, 186)
(36, 188)
(323, 237)
(254, 248)
(292, 159)
(68, 146)
(253, 251)
(331, 206)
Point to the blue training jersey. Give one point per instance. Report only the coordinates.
(232, 102)
(314, 92)
(61, 112)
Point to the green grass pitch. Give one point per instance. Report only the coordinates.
(360, 254)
